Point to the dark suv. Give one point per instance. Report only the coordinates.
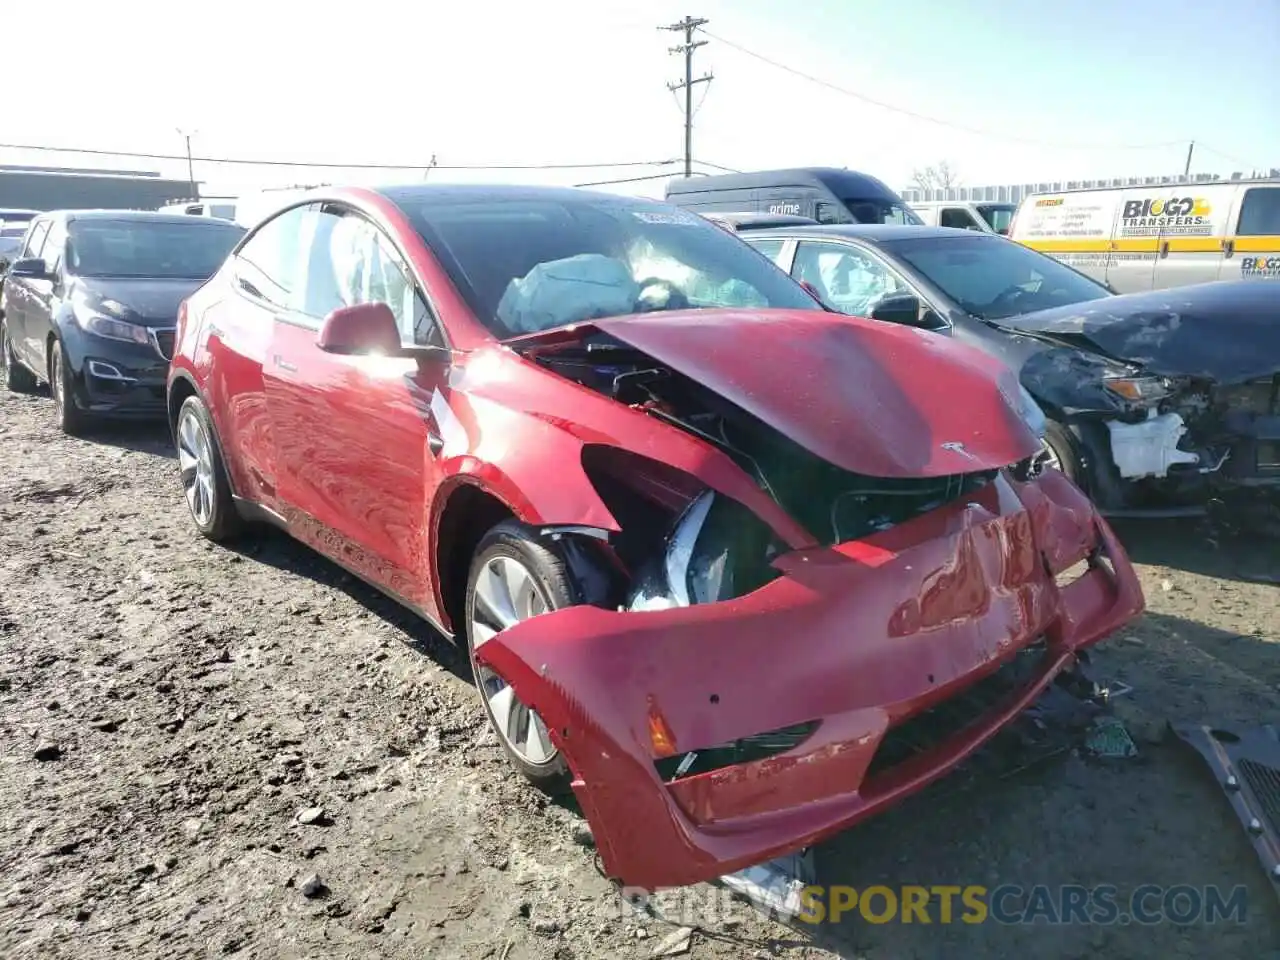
(90, 303)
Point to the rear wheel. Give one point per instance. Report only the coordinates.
(71, 419)
(204, 475)
(516, 576)
(17, 378)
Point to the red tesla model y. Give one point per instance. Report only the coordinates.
(720, 556)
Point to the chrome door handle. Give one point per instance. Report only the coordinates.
(284, 364)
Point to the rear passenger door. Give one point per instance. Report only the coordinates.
(1253, 253)
(46, 295)
(265, 277)
(19, 296)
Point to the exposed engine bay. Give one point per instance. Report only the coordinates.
(711, 547)
(833, 504)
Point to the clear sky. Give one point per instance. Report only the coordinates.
(1060, 89)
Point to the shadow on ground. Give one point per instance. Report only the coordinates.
(1234, 546)
(274, 548)
(148, 437)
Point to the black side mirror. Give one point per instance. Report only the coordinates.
(902, 308)
(32, 267)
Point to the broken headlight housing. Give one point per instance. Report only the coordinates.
(1143, 390)
(717, 550)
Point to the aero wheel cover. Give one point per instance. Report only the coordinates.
(505, 594)
(195, 465)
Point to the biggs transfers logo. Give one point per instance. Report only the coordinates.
(1183, 216)
(1260, 266)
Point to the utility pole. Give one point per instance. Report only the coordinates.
(191, 170)
(1186, 171)
(430, 166)
(687, 26)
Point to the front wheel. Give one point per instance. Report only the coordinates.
(1061, 452)
(71, 419)
(516, 576)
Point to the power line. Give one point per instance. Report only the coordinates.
(337, 166)
(687, 26)
(993, 134)
(717, 166)
(663, 176)
(1227, 156)
(652, 176)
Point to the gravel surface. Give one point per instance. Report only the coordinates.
(210, 752)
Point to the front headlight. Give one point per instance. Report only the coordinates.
(1138, 389)
(91, 321)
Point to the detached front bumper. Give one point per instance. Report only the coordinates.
(855, 641)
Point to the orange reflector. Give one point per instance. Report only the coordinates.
(1125, 388)
(660, 735)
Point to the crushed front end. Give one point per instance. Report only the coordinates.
(1192, 439)
(730, 712)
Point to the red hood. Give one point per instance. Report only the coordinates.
(870, 397)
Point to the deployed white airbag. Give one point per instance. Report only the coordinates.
(559, 292)
(1149, 448)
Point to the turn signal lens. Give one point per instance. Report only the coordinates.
(1137, 389)
(660, 735)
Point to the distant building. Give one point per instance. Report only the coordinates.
(1013, 192)
(61, 188)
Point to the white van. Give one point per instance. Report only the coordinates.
(221, 209)
(1151, 238)
(966, 215)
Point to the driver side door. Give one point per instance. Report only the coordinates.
(356, 460)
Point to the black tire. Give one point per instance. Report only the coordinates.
(17, 378)
(545, 562)
(71, 419)
(222, 522)
(1066, 450)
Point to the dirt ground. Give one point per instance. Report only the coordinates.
(170, 712)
